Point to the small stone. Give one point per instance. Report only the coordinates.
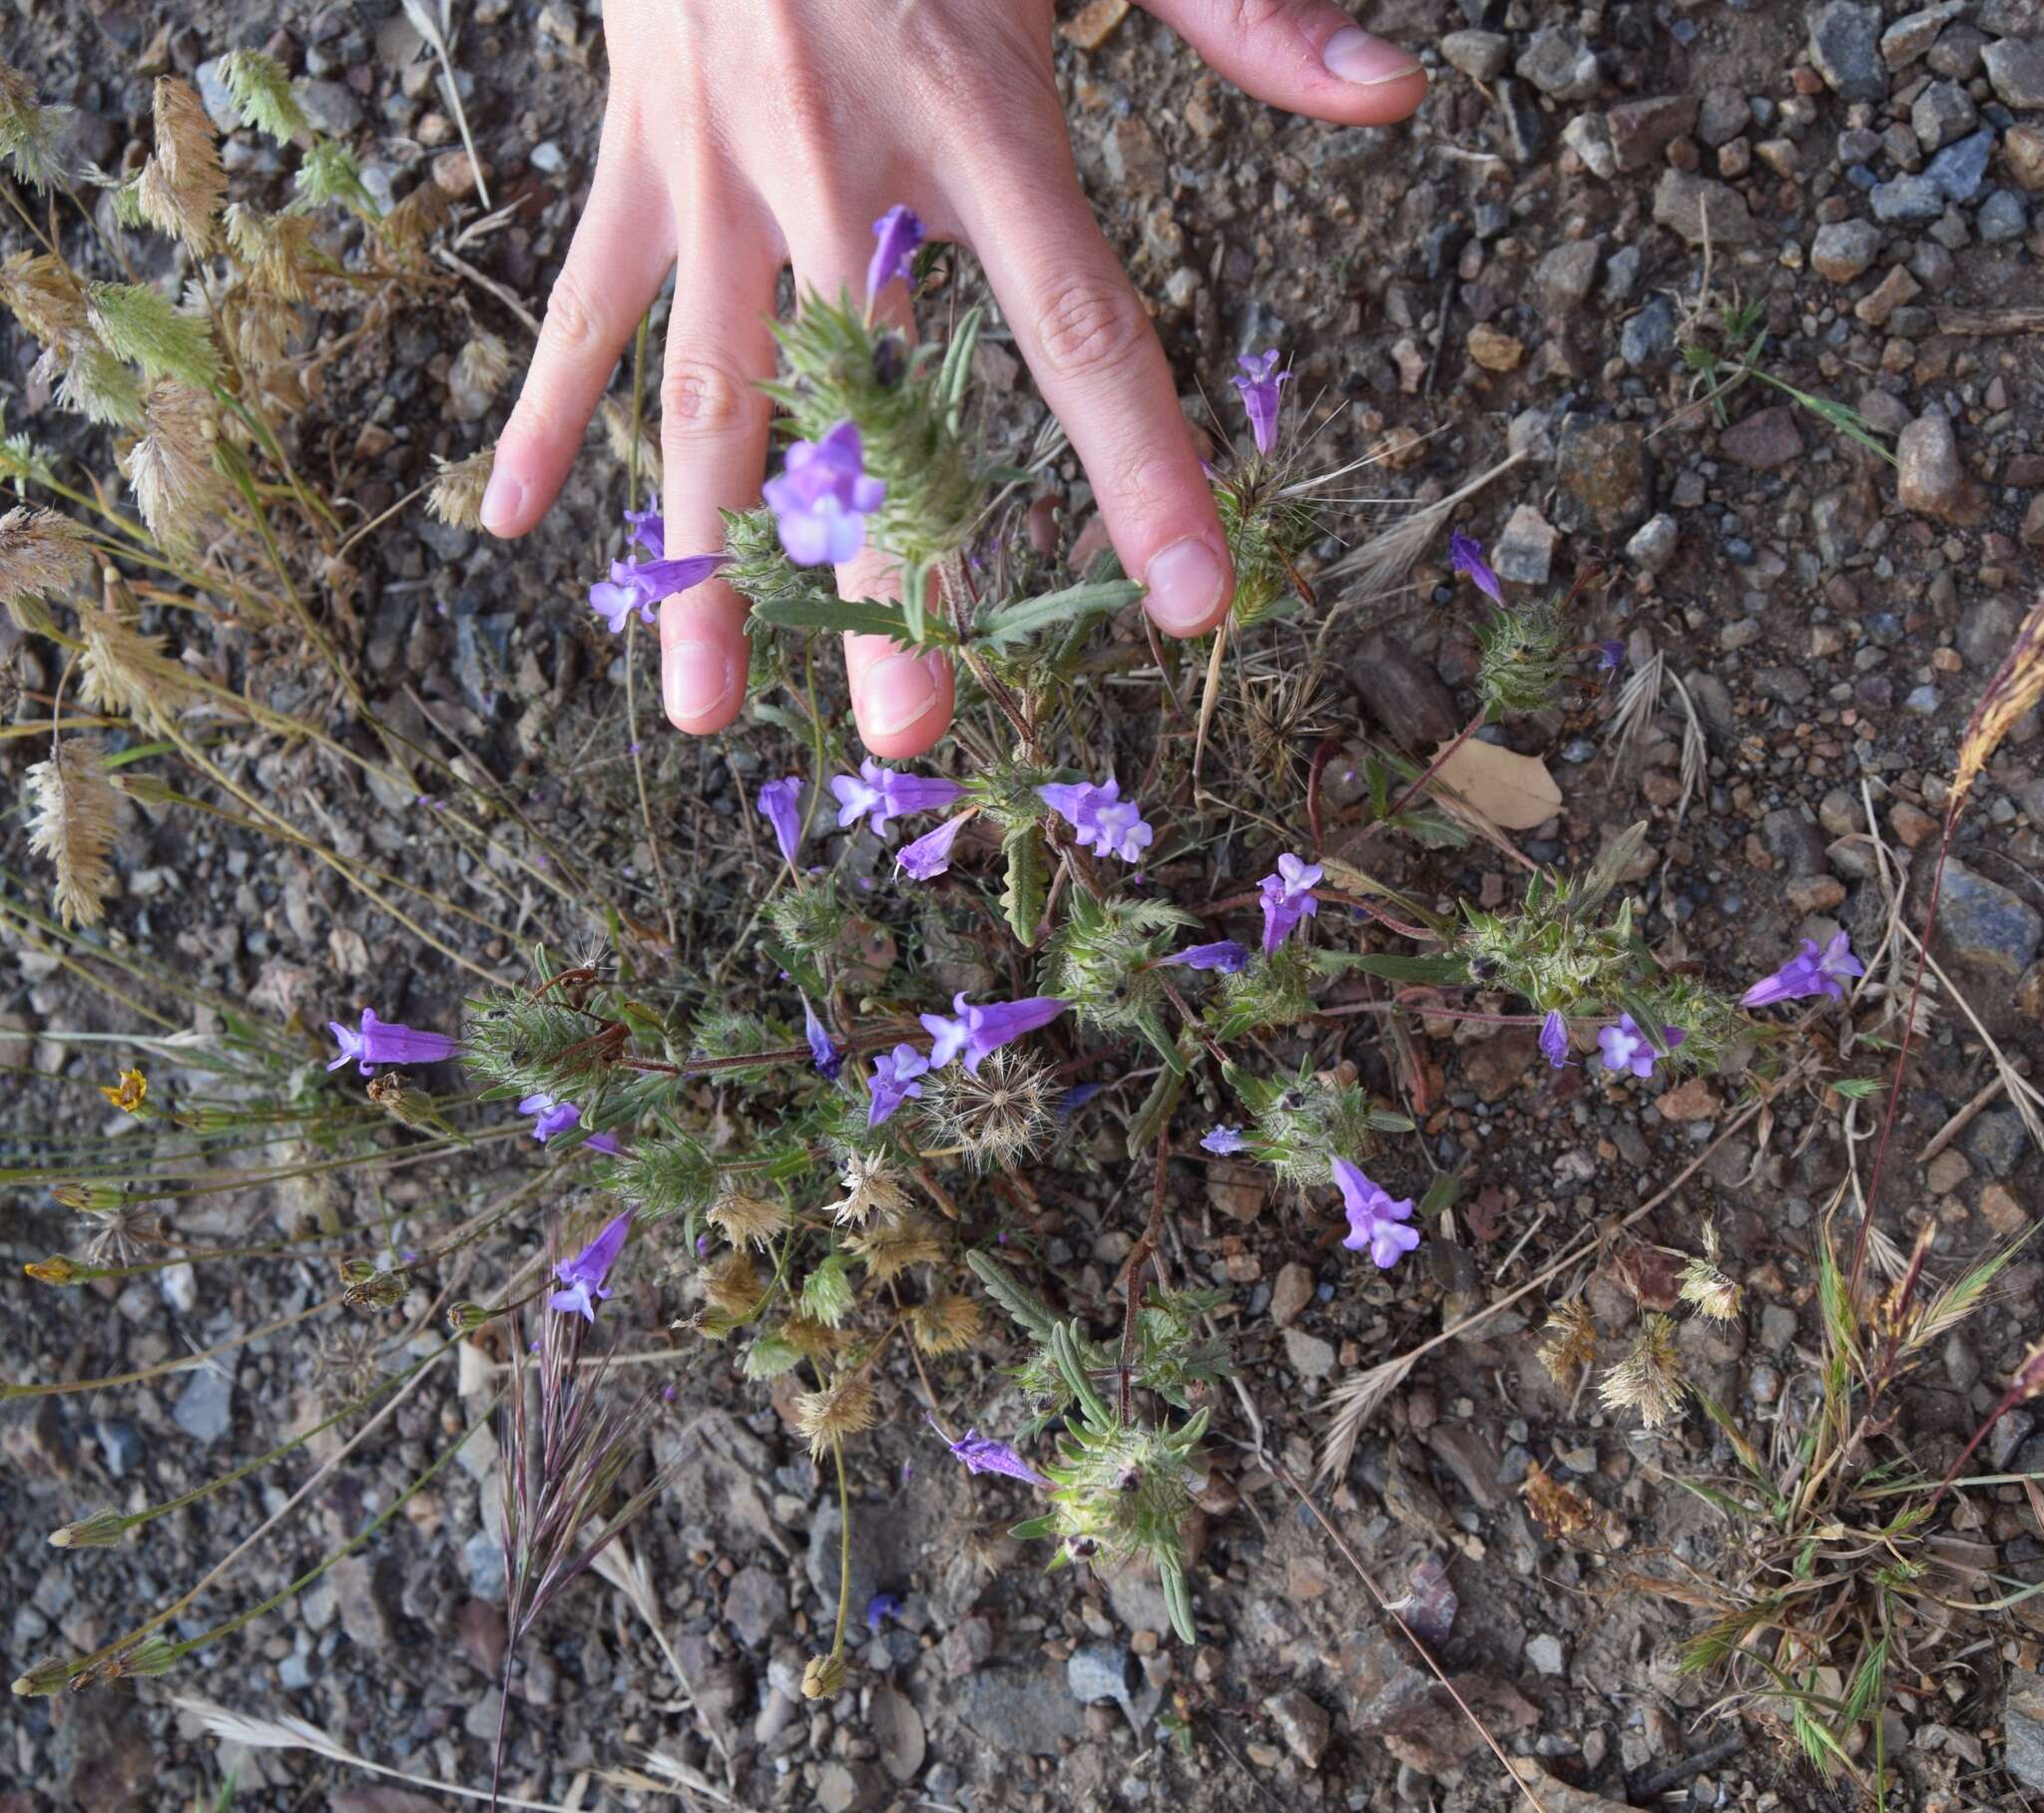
(1906, 201)
(2001, 1211)
(367, 1612)
(1724, 114)
(1946, 1172)
(1648, 337)
(1293, 1291)
(1525, 551)
(848, 1787)
(1304, 1725)
(2022, 1719)
(1912, 827)
(1604, 477)
(1546, 1656)
(331, 106)
(755, 1605)
(1780, 156)
(1495, 349)
(1929, 476)
(1957, 172)
(1403, 693)
(1913, 34)
(1763, 440)
(1982, 923)
(1957, 52)
(1653, 544)
(1785, 685)
(1641, 130)
(482, 1556)
(1894, 290)
(2002, 217)
(1478, 55)
(1940, 114)
(1558, 63)
(1996, 1142)
(1588, 137)
(1563, 278)
(1308, 1355)
(1844, 248)
(216, 96)
(1845, 47)
(1684, 203)
(2015, 67)
(1735, 158)
(1694, 1100)
(1093, 23)
(548, 158)
(2033, 523)
(2022, 151)
(1816, 893)
(206, 1407)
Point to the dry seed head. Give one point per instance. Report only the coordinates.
(616, 433)
(45, 298)
(127, 673)
(121, 1235)
(749, 1220)
(30, 134)
(42, 555)
(456, 496)
(1558, 1509)
(996, 1118)
(1650, 1378)
(946, 1324)
(275, 250)
(170, 466)
(732, 1284)
(892, 1247)
(481, 365)
(71, 804)
(823, 1678)
(347, 1365)
(1570, 1340)
(2017, 684)
(1708, 1290)
(815, 1341)
(842, 1408)
(414, 220)
(180, 187)
(870, 1189)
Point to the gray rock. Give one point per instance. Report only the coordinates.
(1844, 248)
(1986, 631)
(1563, 278)
(1906, 201)
(755, 1605)
(2022, 1719)
(1763, 440)
(331, 107)
(1525, 134)
(1915, 33)
(1795, 844)
(483, 1556)
(1308, 1355)
(1546, 1656)
(1604, 476)
(1957, 52)
(1648, 337)
(1018, 1713)
(1478, 55)
(1722, 116)
(1777, 1327)
(2002, 217)
(1682, 203)
(1844, 45)
(121, 1446)
(848, 1787)
(216, 98)
(1940, 114)
(1620, 274)
(822, 1559)
(1525, 551)
(2016, 66)
(1929, 476)
(1099, 1671)
(1982, 923)
(1653, 544)
(206, 1407)
(1996, 1142)
(1558, 63)
(1588, 137)
(1303, 1723)
(1641, 130)
(1403, 693)
(548, 158)
(1785, 685)
(1841, 520)
(1958, 171)
(368, 1603)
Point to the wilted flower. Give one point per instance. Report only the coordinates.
(822, 499)
(894, 1080)
(1227, 956)
(747, 1219)
(386, 1042)
(827, 1057)
(976, 1031)
(780, 805)
(1553, 1038)
(1376, 1221)
(897, 234)
(583, 1276)
(1810, 972)
(888, 794)
(1465, 554)
(1260, 381)
(880, 1607)
(1624, 1047)
(1650, 1378)
(1288, 898)
(1609, 656)
(869, 1186)
(1104, 821)
(640, 584)
(930, 854)
(982, 1455)
(1223, 1141)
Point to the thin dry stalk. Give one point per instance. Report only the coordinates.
(436, 24)
(1383, 564)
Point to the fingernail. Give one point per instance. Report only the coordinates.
(699, 679)
(895, 692)
(1355, 56)
(502, 498)
(1187, 584)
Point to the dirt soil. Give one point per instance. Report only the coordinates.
(1512, 271)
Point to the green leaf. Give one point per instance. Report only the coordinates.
(1014, 622)
(1857, 1089)
(1028, 880)
(854, 616)
(1030, 1313)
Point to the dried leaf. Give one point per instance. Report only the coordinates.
(1515, 792)
(1558, 1509)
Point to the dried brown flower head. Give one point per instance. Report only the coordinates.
(119, 1236)
(45, 298)
(870, 1189)
(275, 250)
(1558, 1509)
(732, 1284)
(456, 496)
(2018, 683)
(346, 1364)
(416, 219)
(749, 1220)
(844, 1407)
(1650, 1377)
(1569, 1342)
(42, 555)
(480, 367)
(813, 1340)
(946, 1324)
(616, 433)
(1708, 1290)
(71, 822)
(996, 1118)
(181, 185)
(127, 673)
(169, 465)
(889, 1248)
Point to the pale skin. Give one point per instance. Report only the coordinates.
(746, 135)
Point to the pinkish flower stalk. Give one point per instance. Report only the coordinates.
(386, 1042)
(1376, 1223)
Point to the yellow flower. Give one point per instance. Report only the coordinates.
(128, 1094)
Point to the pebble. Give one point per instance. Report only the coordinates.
(1588, 137)
(1682, 203)
(1906, 201)
(1291, 1292)
(1915, 33)
(1722, 116)
(1763, 440)
(121, 1446)
(1648, 337)
(1546, 1656)
(2015, 68)
(1893, 291)
(1478, 55)
(1982, 923)
(1604, 476)
(1957, 172)
(1525, 135)
(1652, 543)
(1845, 47)
(755, 1605)
(2002, 217)
(1642, 131)
(2022, 1719)
(548, 158)
(1525, 551)
(2022, 149)
(482, 1558)
(1929, 477)
(1564, 277)
(1308, 1355)
(1495, 349)
(1844, 248)
(216, 96)
(1303, 1723)
(1996, 1142)
(206, 1407)
(1940, 114)
(1558, 63)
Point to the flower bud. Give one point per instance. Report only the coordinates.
(55, 1271)
(824, 1676)
(99, 1531)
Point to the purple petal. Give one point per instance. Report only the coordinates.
(1465, 554)
(930, 854)
(781, 803)
(897, 234)
(1227, 956)
(1221, 1141)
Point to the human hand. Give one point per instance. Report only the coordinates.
(744, 135)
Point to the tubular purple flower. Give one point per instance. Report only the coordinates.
(829, 1058)
(1288, 898)
(930, 854)
(888, 794)
(1810, 972)
(1625, 1048)
(982, 1454)
(1376, 1223)
(780, 804)
(1609, 656)
(640, 584)
(978, 1031)
(1553, 1038)
(880, 1607)
(1104, 823)
(1260, 382)
(1227, 956)
(551, 1115)
(1223, 1141)
(897, 234)
(894, 1080)
(583, 1276)
(1465, 554)
(386, 1042)
(821, 498)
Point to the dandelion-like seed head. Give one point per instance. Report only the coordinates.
(347, 1365)
(1650, 1378)
(842, 1408)
(996, 1118)
(749, 1220)
(119, 1235)
(456, 496)
(946, 1324)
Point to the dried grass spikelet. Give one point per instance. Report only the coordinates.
(1569, 1342)
(815, 1341)
(746, 1220)
(127, 673)
(1558, 1509)
(870, 1189)
(181, 185)
(45, 298)
(71, 822)
(414, 220)
(889, 1248)
(616, 433)
(169, 465)
(947, 1324)
(844, 1407)
(1708, 1288)
(275, 250)
(2018, 683)
(480, 368)
(31, 135)
(456, 494)
(732, 1284)
(1650, 1377)
(43, 554)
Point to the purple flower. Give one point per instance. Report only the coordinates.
(1624, 1047)
(897, 234)
(880, 1607)
(1376, 1223)
(977, 1031)
(1259, 387)
(1288, 898)
(583, 1276)
(1553, 1038)
(888, 794)
(607, 1143)
(983, 1456)
(1610, 657)
(894, 1080)
(1221, 1141)
(1465, 554)
(1227, 956)
(930, 854)
(386, 1042)
(780, 804)
(640, 584)
(551, 1115)
(1108, 823)
(829, 1058)
(1076, 1098)
(822, 497)
(1808, 972)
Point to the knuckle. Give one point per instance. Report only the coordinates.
(1090, 327)
(573, 328)
(701, 398)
